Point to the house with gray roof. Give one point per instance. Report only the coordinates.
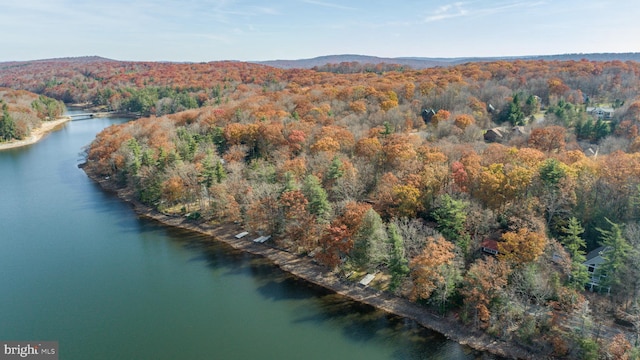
(604, 113)
(594, 260)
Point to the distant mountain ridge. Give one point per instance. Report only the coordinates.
(412, 62)
(424, 62)
(70, 60)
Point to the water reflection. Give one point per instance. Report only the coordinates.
(360, 323)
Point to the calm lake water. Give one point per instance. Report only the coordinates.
(79, 267)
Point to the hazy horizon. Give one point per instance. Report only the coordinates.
(417, 58)
(211, 30)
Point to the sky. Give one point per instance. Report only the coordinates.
(252, 30)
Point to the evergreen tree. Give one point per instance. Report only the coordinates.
(370, 242)
(615, 255)
(318, 200)
(398, 264)
(219, 172)
(451, 217)
(335, 169)
(135, 161)
(289, 182)
(216, 136)
(388, 129)
(7, 125)
(551, 172)
(147, 158)
(592, 130)
(512, 113)
(584, 129)
(575, 245)
(601, 130)
(531, 106)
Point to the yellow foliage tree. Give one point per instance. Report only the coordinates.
(464, 120)
(326, 144)
(521, 247)
(406, 198)
(500, 184)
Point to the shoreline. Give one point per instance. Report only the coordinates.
(304, 268)
(36, 134)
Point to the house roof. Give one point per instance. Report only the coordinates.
(490, 244)
(594, 257)
(367, 279)
(604, 109)
(521, 130)
(493, 134)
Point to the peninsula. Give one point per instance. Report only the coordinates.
(26, 117)
(36, 134)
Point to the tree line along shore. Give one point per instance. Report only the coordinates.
(25, 117)
(307, 269)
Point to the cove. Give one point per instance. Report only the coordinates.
(79, 267)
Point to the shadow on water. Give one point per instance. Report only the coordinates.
(214, 254)
(365, 324)
(109, 204)
(358, 322)
(285, 287)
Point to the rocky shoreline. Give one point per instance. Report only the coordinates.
(305, 268)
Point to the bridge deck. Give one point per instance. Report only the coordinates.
(91, 115)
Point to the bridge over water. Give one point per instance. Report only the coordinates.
(86, 116)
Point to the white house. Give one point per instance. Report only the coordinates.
(604, 113)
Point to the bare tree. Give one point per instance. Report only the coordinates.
(415, 233)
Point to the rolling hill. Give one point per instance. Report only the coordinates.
(425, 62)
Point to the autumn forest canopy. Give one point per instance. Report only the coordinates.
(22, 111)
(408, 173)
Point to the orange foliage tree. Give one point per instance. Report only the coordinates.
(484, 282)
(463, 120)
(440, 116)
(300, 230)
(521, 247)
(550, 138)
(334, 244)
(428, 268)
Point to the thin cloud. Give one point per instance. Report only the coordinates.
(460, 9)
(330, 5)
(447, 12)
(265, 10)
(508, 6)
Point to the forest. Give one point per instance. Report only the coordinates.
(23, 111)
(476, 190)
